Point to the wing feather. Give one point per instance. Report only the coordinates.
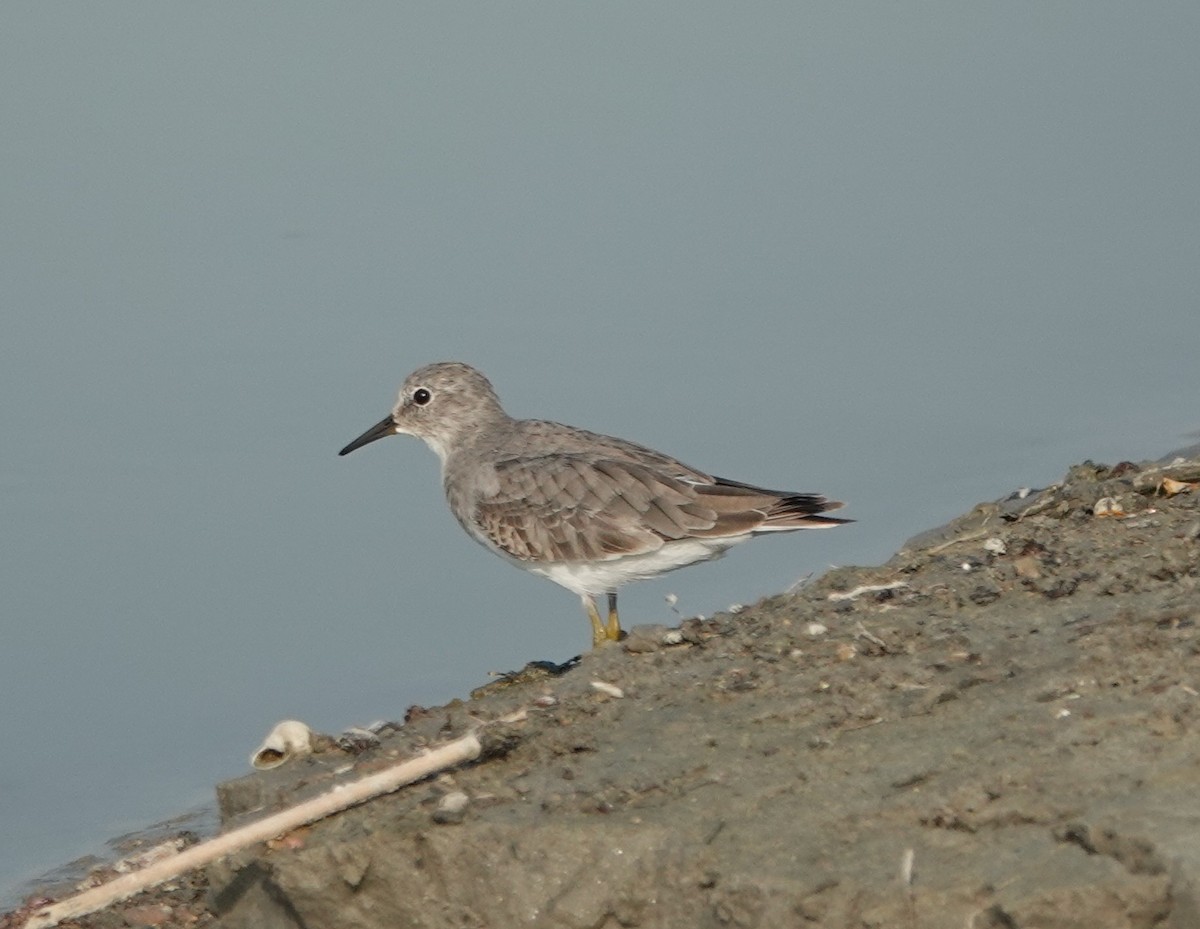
(569, 508)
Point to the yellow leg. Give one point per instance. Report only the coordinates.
(599, 634)
(602, 632)
(613, 629)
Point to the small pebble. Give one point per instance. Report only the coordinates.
(815, 629)
(611, 690)
(1027, 566)
(995, 545)
(452, 807)
(650, 638)
(357, 739)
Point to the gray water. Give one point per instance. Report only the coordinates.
(909, 256)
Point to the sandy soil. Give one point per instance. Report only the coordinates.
(998, 728)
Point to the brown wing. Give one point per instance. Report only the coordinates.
(566, 508)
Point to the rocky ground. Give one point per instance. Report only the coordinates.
(998, 728)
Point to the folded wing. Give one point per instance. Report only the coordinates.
(577, 508)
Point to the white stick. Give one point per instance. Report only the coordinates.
(332, 801)
(868, 589)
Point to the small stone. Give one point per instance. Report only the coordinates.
(815, 629)
(642, 639)
(452, 808)
(610, 690)
(1027, 566)
(356, 740)
(995, 545)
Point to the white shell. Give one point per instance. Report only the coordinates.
(289, 739)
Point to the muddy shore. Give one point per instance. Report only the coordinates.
(999, 728)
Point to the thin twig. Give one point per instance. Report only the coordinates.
(332, 801)
(866, 589)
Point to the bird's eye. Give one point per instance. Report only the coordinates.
(421, 396)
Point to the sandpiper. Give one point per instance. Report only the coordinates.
(588, 511)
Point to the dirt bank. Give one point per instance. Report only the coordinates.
(1000, 727)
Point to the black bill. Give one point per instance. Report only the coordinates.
(381, 429)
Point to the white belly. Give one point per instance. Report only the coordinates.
(602, 576)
